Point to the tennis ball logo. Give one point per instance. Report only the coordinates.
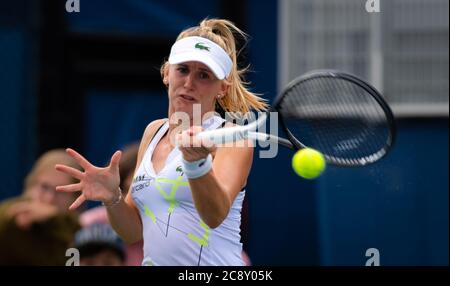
(308, 163)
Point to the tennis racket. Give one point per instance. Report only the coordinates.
(336, 113)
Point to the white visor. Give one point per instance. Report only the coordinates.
(202, 50)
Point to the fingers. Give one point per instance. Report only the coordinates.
(183, 140)
(29, 212)
(192, 147)
(208, 144)
(194, 130)
(115, 159)
(188, 137)
(204, 142)
(17, 208)
(195, 153)
(69, 188)
(23, 221)
(80, 159)
(20, 213)
(77, 174)
(77, 202)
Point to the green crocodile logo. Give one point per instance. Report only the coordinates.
(180, 170)
(201, 46)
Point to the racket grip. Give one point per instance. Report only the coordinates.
(222, 136)
(231, 134)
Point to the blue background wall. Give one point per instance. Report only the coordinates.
(18, 68)
(399, 205)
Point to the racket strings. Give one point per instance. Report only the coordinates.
(337, 117)
(366, 115)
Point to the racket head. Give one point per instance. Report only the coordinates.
(338, 114)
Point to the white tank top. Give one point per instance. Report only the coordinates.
(173, 232)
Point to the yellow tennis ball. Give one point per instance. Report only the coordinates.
(308, 163)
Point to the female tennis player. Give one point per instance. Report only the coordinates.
(185, 201)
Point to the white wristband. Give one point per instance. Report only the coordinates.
(197, 168)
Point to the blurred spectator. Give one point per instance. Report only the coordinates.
(134, 252)
(99, 245)
(36, 228)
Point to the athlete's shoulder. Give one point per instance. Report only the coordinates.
(149, 132)
(153, 126)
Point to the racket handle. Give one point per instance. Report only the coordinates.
(222, 136)
(232, 134)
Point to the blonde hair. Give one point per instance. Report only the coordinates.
(47, 161)
(238, 97)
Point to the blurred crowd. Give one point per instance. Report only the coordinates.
(37, 228)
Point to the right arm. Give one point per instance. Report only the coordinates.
(102, 184)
